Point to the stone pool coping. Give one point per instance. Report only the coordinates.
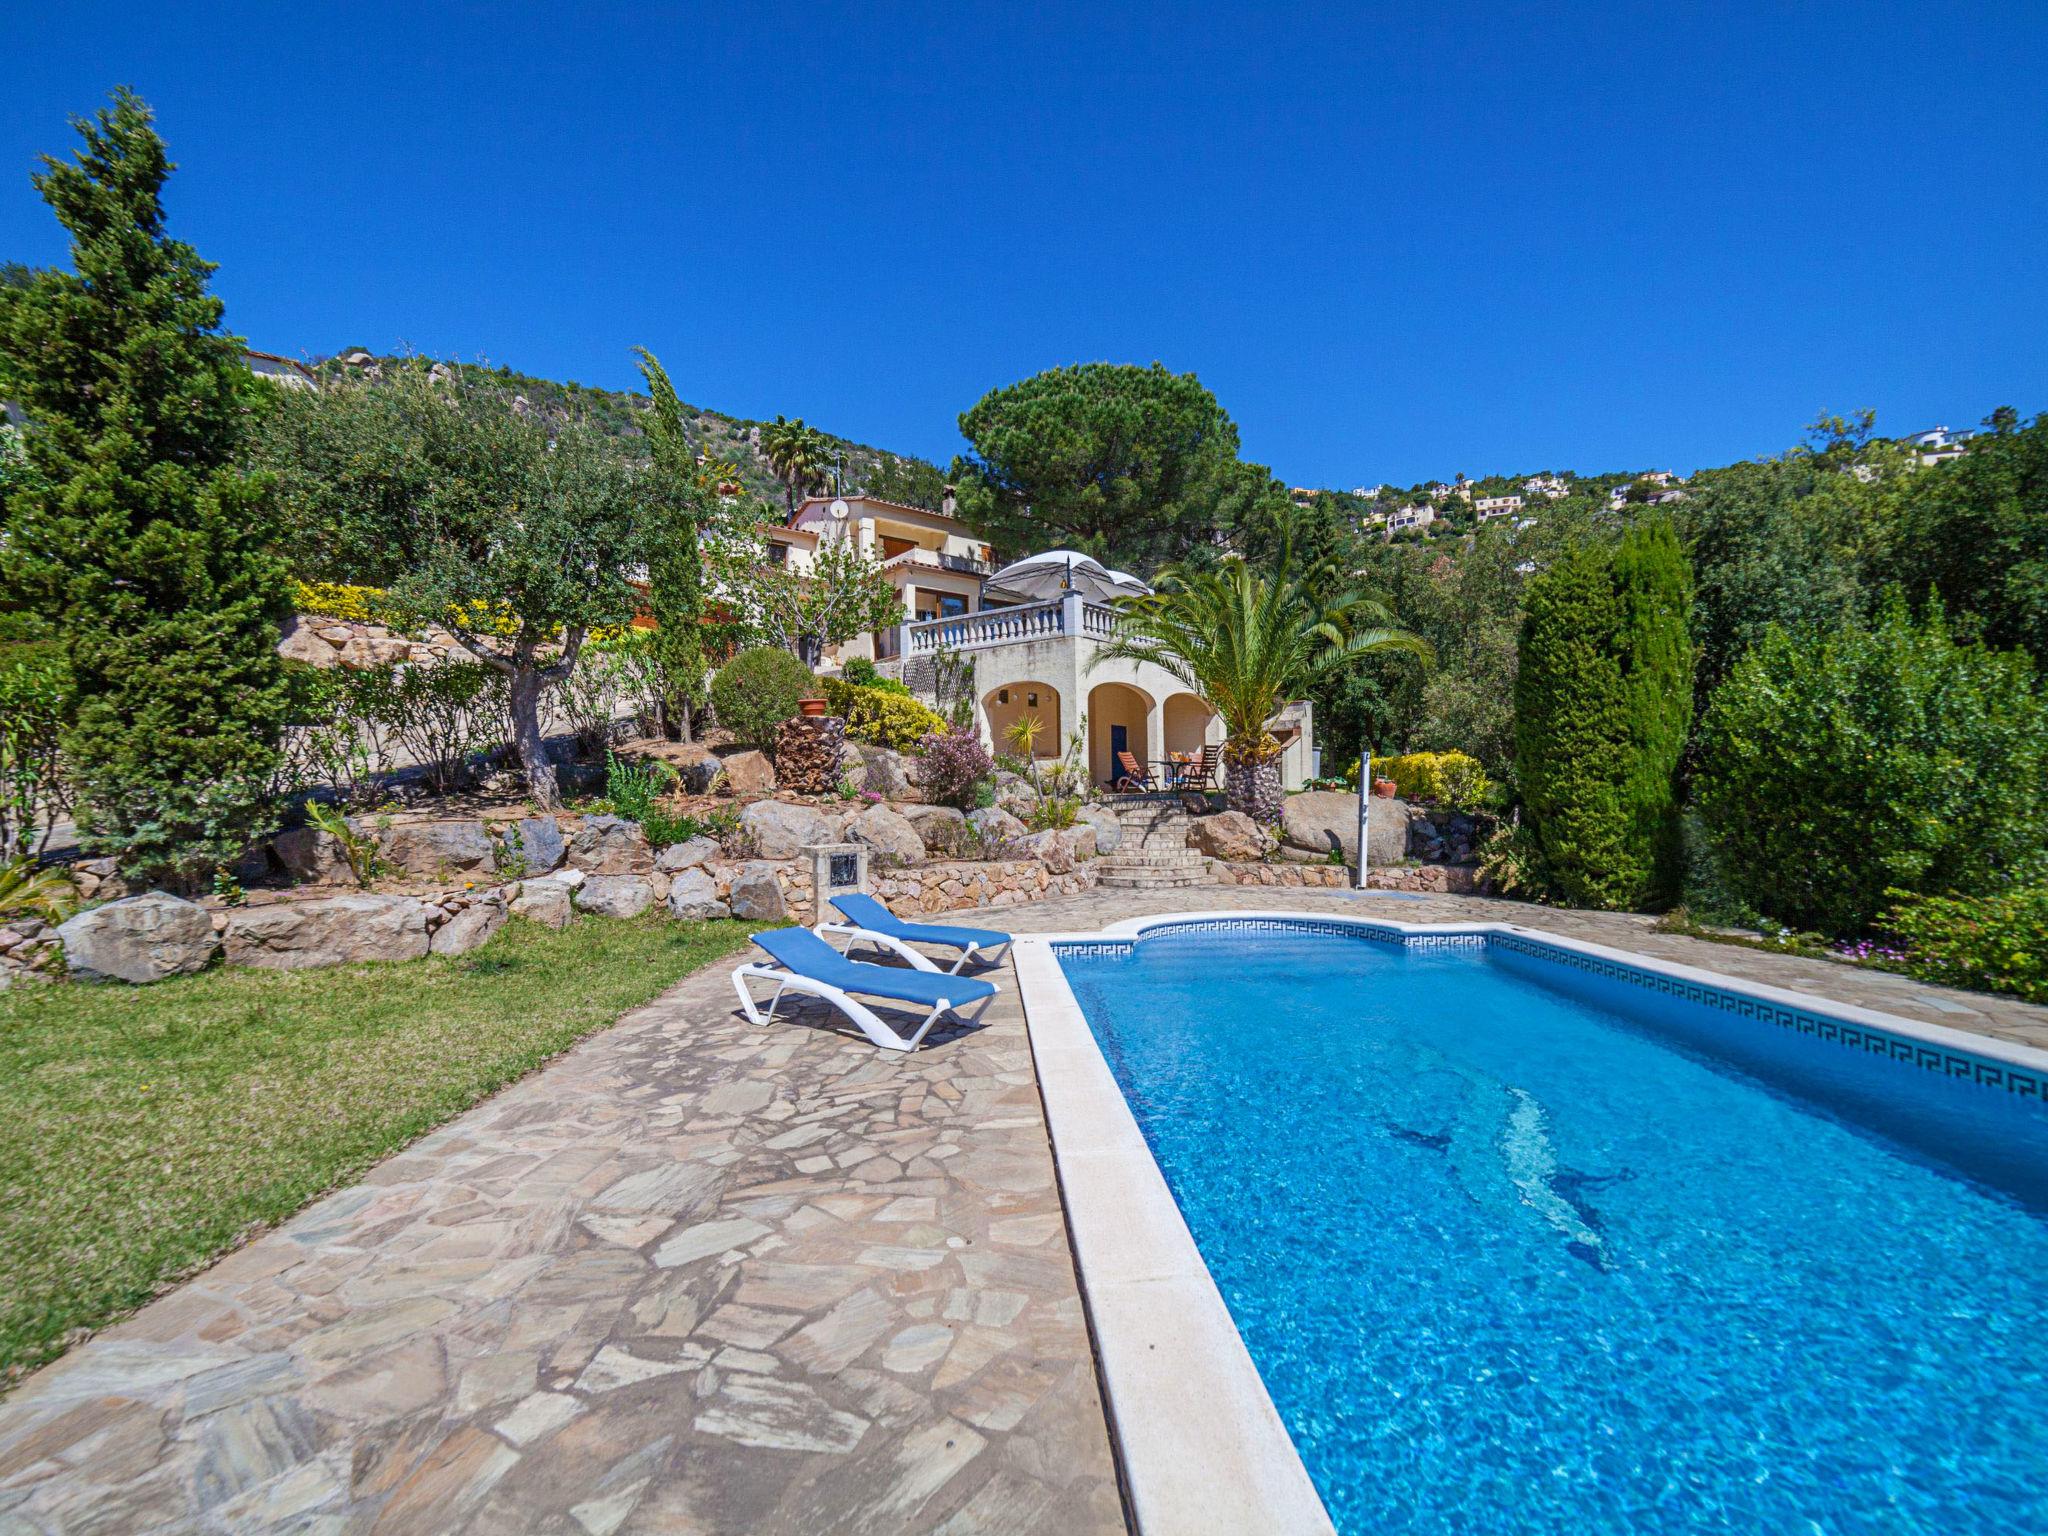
(1201, 1445)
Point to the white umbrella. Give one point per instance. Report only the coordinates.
(1040, 578)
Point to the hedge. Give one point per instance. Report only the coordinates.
(881, 718)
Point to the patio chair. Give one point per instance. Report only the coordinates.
(867, 920)
(1201, 771)
(805, 963)
(1133, 776)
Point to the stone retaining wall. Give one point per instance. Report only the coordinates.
(1437, 879)
(997, 883)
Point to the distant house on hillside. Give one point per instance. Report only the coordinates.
(1441, 492)
(281, 371)
(1496, 506)
(1418, 516)
(1301, 495)
(1550, 486)
(1937, 445)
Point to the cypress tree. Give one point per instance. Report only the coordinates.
(136, 536)
(1653, 587)
(1572, 731)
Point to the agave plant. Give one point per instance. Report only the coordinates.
(29, 889)
(1247, 640)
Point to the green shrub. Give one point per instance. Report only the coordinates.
(444, 716)
(756, 691)
(860, 672)
(881, 718)
(1991, 943)
(632, 788)
(1890, 757)
(1603, 693)
(35, 702)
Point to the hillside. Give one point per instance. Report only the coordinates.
(732, 439)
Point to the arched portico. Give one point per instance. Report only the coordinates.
(1120, 718)
(1012, 702)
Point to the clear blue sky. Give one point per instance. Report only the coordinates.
(1397, 242)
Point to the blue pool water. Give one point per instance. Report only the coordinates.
(1521, 1248)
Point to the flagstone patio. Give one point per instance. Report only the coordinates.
(693, 1277)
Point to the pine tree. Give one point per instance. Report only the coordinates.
(1653, 586)
(136, 536)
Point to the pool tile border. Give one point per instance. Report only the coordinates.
(1203, 1448)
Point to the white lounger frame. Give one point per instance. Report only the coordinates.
(855, 934)
(871, 1024)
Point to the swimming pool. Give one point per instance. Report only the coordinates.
(1525, 1241)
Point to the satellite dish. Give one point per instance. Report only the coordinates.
(840, 508)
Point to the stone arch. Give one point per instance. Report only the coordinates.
(1111, 705)
(1012, 702)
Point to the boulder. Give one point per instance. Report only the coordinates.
(1387, 832)
(537, 842)
(614, 895)
(942, 828)
(470, 927)
(996, 827)
(302, 642)
(139, 938)
(1230, 835)
(1318, 820)
(1051, 848)
(890, 774)
(374, 653)
(300, 935)
(611, 845)
(853, 768)
(748, 775)
(894, 838)
(544, 901)
(778, 829)
(1109, 832)
(1015, 794)
(756, 894)
(311, 857)
(436, 849)
(677, 857)
(694, 897)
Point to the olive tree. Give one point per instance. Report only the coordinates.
(520, 535)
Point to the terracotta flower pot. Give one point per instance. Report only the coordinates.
(1384, 788)
(812, 708)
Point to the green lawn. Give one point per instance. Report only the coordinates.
(143, 1130)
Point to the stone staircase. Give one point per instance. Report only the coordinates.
(1154, 854)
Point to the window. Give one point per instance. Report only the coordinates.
(778, 552)
(952, 605)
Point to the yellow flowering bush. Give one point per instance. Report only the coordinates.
(333, 600)
(1448, 778)
(881, 718)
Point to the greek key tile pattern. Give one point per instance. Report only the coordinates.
(1980, 1070)
(1983, 1071)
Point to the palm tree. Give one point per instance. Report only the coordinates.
(796, 453)
(1248, 640)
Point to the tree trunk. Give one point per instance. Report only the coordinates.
(1252, 785)
(526, 688)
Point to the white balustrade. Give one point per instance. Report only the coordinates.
(1010, 626)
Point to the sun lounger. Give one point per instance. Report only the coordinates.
(868, 920)
(806, 963)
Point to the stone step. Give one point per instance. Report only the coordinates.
(1152, 879)
(1161, 858)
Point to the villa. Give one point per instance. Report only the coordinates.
(1033, 632)
(1550, 486)
(1489, 507)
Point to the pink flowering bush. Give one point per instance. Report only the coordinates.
(955, 763)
